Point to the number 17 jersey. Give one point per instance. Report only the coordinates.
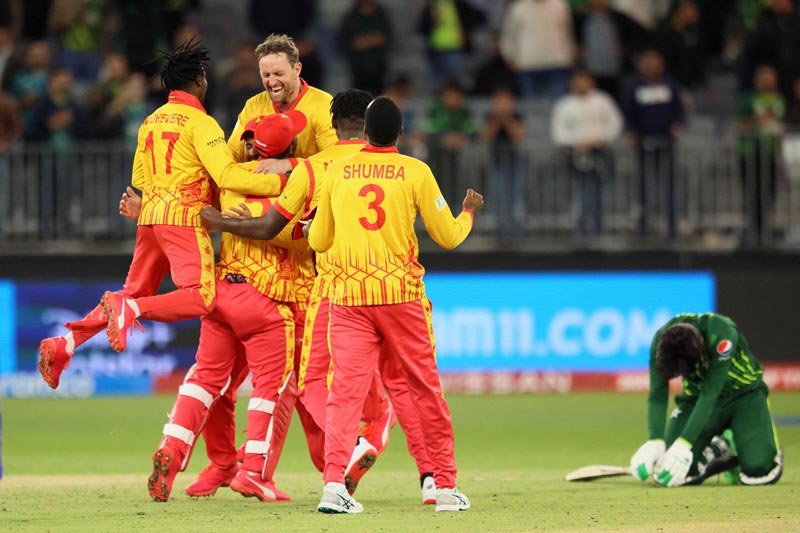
(365, 220)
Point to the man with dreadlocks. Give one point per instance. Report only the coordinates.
(180, 150)
(301, 196)
(724, 400)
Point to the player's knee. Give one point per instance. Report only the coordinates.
(761, 473)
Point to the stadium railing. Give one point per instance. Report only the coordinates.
(533, 192)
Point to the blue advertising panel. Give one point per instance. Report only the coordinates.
(585, 322)
(42, 308)
(8, 327)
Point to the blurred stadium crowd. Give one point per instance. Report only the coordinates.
(587, 123)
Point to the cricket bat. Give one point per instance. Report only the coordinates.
(592, 472)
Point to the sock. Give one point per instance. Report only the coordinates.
(70, 343)
(134, 306)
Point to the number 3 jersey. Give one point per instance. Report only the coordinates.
(365, 221)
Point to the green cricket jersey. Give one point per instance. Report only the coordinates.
(727, 370)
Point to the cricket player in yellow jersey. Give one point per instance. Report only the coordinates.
(181, 149)
(251, 321)
(365, 223)
(301, 195)
(284, 89)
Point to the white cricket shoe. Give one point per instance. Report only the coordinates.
(428, 490)
(336, 500)
(451, 500)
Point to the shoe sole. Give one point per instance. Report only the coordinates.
(46, 362)
(430, 501)
(364, 464)
(440, 508)
(157, 484)
(112, 330)
(334, 510)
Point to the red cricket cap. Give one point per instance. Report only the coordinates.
(273, 134)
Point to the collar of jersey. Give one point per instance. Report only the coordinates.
(182, 97)
(384, 149)
(351, 141)
(303, 91)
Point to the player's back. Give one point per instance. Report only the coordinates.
(375, 195)
(174, 183)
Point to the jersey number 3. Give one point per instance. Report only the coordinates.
(172, 137)
(374, 205)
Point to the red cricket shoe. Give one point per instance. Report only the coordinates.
(121, 319)
(251, 484)
(377, 432)
(54, 359)
(166, 465)
(210, 479)
(364, 456)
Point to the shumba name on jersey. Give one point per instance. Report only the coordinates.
(375, 172)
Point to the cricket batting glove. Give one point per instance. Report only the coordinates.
(673, 467)
(645, 458)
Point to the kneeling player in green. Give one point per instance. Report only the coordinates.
(722, 392)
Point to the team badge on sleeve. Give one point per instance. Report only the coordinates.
(440, 202)
(724, 349)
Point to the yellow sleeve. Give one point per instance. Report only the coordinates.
(292, 200)
(138, 177)
(320, 236)
(324, 134)
(235, 143)
(446, 230)
(218, 160)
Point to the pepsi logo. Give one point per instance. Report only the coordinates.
(724, 348)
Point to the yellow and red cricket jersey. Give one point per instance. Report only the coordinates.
(314, 103)
(302, 193)
(264, 265)
(365, 222)
(180, 149)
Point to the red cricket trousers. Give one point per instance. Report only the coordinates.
(357, 336)
(184, 252)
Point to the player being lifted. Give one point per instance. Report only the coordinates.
(180, 150)
(722, 390)
(365, 222)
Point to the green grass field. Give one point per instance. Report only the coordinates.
(82, 465)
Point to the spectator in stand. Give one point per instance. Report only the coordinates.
(682, 43)
(654, 119)
(494, 72)
(537, 43)
(365, 33)
(82, 33)
(606, 38)
(130, 107)
(586, 122)
(646, 12)
(504, 132)
(57, 117)
(451, 128)
(447, 26)
(10, 60)
(141, 29)
(111, 79)
(775, 41)
(30, 82)
(759, 119)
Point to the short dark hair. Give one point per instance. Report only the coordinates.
(350, 106)
(680, 349)
(383, 121)
(183, 64)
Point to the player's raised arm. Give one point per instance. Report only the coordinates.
(446, 230)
